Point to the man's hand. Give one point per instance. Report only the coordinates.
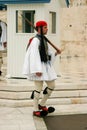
(57, 52)
(39, 74)
(5, 44)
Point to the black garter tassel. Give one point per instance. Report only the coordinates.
(32, 95)
(45, 90)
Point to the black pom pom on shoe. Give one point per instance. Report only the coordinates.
(51, 109)
(43, 113)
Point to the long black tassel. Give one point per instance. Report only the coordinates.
(43, 54)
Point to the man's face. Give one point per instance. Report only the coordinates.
(45, 29)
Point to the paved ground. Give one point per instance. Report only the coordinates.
(66, 122)
(22, 119)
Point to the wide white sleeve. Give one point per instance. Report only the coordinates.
(35, 61)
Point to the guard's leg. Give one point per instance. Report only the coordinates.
(35, 96)
(47, 92)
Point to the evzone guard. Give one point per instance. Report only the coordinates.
(38, 67)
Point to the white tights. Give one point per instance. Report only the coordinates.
(38, 88)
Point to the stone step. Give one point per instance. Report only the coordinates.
(53, 101)
(29, 86)
(16, 92)
(23, 98)
(23, 90)
(24, 95)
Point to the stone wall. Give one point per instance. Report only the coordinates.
(74, 31)
(77, 2)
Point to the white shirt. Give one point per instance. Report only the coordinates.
(33, 64)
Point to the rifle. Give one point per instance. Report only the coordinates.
(57, 49)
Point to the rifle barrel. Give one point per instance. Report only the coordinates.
(57, 49)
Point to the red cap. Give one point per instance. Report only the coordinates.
(41, 23)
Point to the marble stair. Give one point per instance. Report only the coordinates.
(17, 92)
